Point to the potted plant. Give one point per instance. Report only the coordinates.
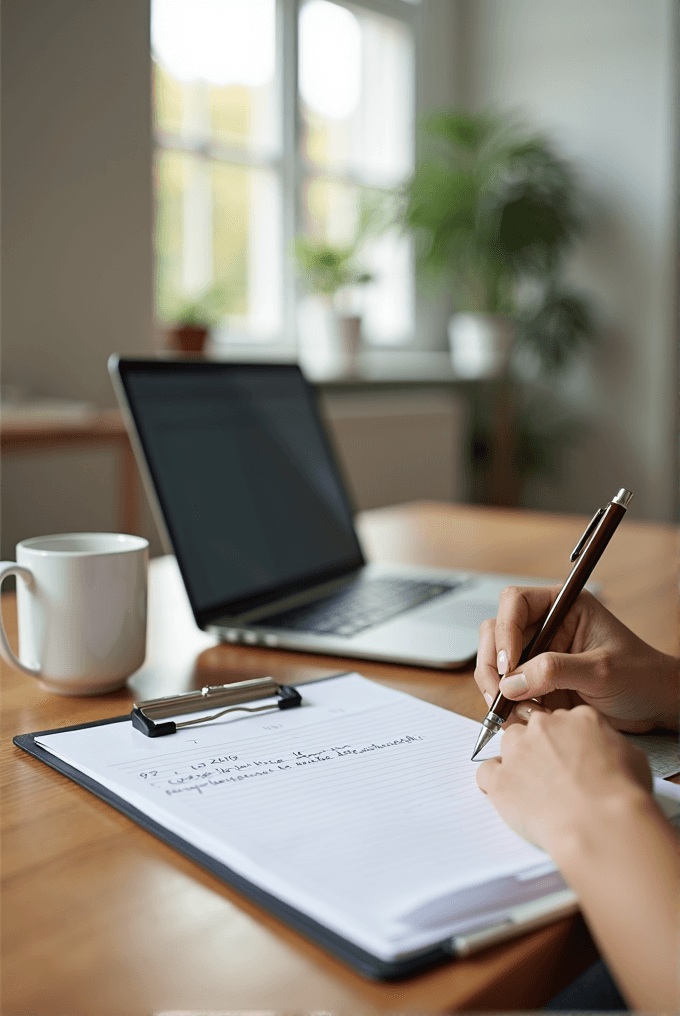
(193, 319)
(330, 273)
(495, 211)
(329, 269)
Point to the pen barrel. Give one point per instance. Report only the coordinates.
(566, 597)
(575, 583)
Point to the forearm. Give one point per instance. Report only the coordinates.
(622, 860)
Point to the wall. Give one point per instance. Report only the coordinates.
(599, 77)
(398, 446)
(76, 233)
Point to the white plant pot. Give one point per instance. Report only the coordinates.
(328, 342)
(480, 344)
(348, 339)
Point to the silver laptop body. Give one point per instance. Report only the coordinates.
(247, 491)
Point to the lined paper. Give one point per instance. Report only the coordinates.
(360, 808)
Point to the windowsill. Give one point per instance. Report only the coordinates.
(373, 367)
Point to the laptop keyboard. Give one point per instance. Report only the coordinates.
(362, 605)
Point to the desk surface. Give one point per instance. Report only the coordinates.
(101, 918)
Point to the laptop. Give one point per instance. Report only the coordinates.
(248, 491)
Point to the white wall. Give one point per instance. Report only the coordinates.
(438, 86)
(599, 77)
(397, 446)
(76, 232)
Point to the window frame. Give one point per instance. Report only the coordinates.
(288, 164)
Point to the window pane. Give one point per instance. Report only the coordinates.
(170, 178)
(247, 249)
(388, 311)
(333, 213)
(356, 92)
(216, 72)
(330, 211)
(219, 224)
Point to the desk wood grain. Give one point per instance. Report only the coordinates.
(100, 918)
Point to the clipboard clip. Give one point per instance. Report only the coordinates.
(151, 715)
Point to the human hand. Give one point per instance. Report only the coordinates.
(593, 659)
(558, 771)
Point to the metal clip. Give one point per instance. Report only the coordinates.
(145, 715)
(589, 529)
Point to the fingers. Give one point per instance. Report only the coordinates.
(551, 672)
(502, 639)
(490, 772)
(519, 609)
(487, 774)
(486, 674)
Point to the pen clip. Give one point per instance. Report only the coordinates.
(589, 529)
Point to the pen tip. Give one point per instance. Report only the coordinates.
(485, 736)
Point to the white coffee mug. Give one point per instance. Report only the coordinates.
(81, 604)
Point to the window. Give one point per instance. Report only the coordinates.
(251, 154)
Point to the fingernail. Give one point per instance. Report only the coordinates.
(514, 685)
(502, 662)
(488, 699)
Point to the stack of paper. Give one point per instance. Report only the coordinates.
(359, 810)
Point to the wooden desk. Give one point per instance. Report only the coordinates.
(100, 429)
(101, 918)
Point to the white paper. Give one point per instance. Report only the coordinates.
(360, 809)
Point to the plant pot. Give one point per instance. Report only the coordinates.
(188, 338)
(348, 339)
(480, 344)
(328, 342)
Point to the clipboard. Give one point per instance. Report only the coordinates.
(515, 921)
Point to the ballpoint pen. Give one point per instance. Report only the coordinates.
(586, 554)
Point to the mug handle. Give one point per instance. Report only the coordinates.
(10, 568)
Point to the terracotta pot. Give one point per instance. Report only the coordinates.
(188, 338)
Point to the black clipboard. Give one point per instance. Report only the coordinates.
(358, 959)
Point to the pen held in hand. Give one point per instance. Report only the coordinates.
(586, 554)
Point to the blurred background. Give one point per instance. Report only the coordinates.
(460, 216)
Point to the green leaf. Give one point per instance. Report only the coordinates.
(204, 309)
(460, 129)
(327, 269)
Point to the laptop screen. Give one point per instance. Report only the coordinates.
(249, 490)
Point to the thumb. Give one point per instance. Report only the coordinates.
(550, 672)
